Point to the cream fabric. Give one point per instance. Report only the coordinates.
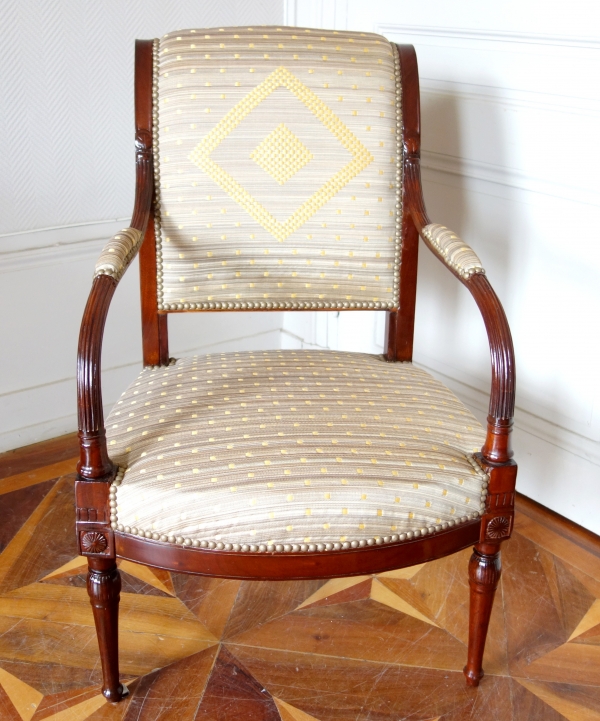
(118, 253)
(291, 450)
(453, 250)
(278, 168)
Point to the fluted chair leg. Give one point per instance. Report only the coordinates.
(484, 574)
(104, 589)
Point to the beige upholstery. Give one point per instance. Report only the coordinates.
(118, 253)
(453, 250)
(278, 174)
(292, 450)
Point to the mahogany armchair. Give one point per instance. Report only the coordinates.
(278, 168)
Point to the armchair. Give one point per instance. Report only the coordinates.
(278, 168)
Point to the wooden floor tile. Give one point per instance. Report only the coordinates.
(360, 629)
(20, 560)
(209, 599)
(154, 631)
(173, 692)
(339, 590)
(39, 455)
(7, 710)
(336, 689)
(291, 713)
(55, 703)
(24, 698)
(31, 478)
(233, 692)
(574, 703)
(17, 506)
(534, 624)
(258, 602)
(559, 546)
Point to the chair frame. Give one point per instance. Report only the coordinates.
(102, 544)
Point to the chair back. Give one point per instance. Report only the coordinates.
(278, 162)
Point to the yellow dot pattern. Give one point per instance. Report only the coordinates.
(271, 448)
(278, 169)
(281, 154)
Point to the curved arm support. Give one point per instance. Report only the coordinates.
(94, 463)
(502, 400)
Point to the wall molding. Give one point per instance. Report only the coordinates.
(502, 175)
(58, 398)
(565, 41)
(559, 436)
(512, 97)
(56, 246)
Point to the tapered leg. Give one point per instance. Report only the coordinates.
(104, 588)
(484, 574)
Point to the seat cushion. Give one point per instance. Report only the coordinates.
(292, 450)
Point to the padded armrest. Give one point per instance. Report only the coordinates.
(118, 253)
(454, 252)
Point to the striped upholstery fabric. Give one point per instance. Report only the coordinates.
(292, 450)
(453, 250)
(118, 253)
(278, 169)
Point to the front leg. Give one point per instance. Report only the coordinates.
(484, 574)
(104, 589)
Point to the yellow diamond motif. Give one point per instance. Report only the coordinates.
(281, 154)
(281, 77)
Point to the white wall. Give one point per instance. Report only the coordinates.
(66, 174)
(510, 111)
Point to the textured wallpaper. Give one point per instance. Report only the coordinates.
(66, 100)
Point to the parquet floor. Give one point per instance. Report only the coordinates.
(382, 648)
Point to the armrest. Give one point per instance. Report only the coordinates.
(118, 253)
(452, 250)
(458, 257)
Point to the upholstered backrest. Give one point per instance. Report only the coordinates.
(278, 170)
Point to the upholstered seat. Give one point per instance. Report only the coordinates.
(292, 450)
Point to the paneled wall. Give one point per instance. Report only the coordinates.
(66, 185)
(510, 110)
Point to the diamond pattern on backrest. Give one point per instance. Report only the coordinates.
(278, 172)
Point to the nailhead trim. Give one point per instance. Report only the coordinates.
(399, 178)
(288, 547)
(265, 305)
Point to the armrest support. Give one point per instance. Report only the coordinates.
(466, 266)
(94, 463)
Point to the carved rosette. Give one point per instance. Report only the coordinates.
(93, 542)
(498, 527)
